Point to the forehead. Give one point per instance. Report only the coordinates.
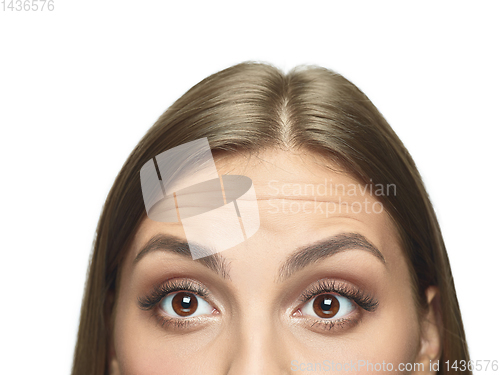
(301, 197)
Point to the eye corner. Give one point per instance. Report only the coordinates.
(215, 311)
(297, 312)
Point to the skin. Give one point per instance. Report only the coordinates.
(259, 325)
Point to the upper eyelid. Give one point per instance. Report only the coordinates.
(146, 302)
(306, 298)
(187, 284)
(317, 288)
(365, 300)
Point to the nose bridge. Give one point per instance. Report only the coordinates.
(259, 348)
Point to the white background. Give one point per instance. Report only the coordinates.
(80, 85)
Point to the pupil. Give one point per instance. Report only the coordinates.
(326, 304)
(186, 302)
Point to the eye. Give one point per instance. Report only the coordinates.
(184, 304)
(329, 306)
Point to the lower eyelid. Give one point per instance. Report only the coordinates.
(337, 325)
(166, 321)
(332, 324)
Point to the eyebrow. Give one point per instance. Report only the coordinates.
(297, 261)
(175, 245)
(320, 250)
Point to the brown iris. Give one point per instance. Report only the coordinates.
(326, 305)
(184, 303)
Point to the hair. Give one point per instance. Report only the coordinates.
(253, 106)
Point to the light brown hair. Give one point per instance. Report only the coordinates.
(252, 106)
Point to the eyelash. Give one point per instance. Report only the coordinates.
(362, 299)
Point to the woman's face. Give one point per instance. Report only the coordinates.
(322, 283)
